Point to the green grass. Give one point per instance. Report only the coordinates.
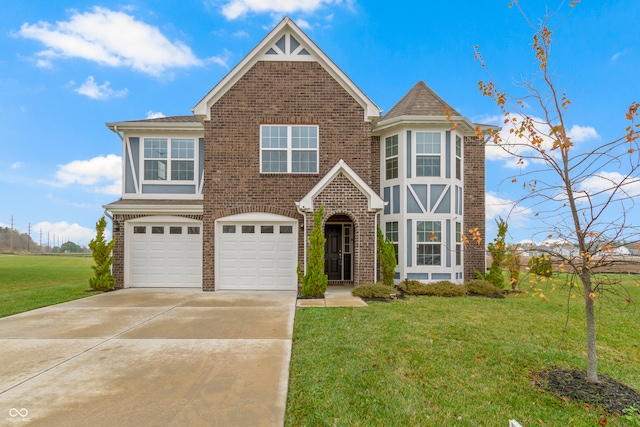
(31, 281)
(466, 361)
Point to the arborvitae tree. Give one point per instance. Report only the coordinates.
(386, 259)
(103, 257)
(314, 282)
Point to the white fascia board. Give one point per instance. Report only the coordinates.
(464, 125)
(163, 126)
(154, 209)
(203, 108)
(375, 202)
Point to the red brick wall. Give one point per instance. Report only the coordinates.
(341, 197)
(474, 205)
(275, 93)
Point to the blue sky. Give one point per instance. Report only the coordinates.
(68, 67)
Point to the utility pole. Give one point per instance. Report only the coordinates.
(29, 239)
(48, 244)
(11, 236)
(40, 239)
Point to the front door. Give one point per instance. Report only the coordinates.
(333, 251)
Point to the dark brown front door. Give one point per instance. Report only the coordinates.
(333, 251)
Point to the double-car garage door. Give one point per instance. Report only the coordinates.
(253, 252)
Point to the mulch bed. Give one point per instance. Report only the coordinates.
(610, 393)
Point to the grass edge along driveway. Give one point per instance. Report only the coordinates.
(28, 282)
(454, 361)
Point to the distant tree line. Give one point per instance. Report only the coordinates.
(22, 242)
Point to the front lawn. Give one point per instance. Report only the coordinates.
(466, 361)
(33, 281)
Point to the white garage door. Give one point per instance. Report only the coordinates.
(258, 255)
(165, 254)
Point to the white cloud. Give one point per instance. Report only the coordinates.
(304, 24)
(110, 38)
(495, 206)
(100, 174)
(16, 165)
(582, 133)
(102, 92)
(241, 34)
(606, 182)
(234, 9)
(154, 115)
(617, 55)
(512, 146)
(65, 232)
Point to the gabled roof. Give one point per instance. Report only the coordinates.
(421, 105)
(375, 202)
(286, 42)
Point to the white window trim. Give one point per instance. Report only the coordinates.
(414, 159)
(396, 156)
(142, 159)
(441, 243)
(289, 150)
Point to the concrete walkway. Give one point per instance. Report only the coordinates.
(335, 296)
(149, 358)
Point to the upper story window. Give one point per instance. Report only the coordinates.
(169, 159)
(458, 157)
(288, 149)
(428, 149)
(391, 156)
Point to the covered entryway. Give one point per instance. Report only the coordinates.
(256, 251)
(164, 252)
(338, 265)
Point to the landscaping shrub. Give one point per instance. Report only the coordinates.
(314, 283)
(371, 290)
(541, 265)
(445, 288)
(102, 253)
(482, 287)
(413, 287)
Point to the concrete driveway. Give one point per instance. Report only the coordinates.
(149, 358)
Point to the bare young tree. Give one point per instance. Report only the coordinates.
(582, 194)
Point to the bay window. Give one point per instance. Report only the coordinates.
(391, 156)
(429, 242)
(428, 149)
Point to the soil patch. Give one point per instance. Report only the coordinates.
(610, 393)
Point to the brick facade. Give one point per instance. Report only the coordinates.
(474, 205)
(275, 93)
(341, 197)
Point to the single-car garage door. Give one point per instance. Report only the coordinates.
(165, 254)
(256, 252)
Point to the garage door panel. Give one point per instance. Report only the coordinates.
(259, 261)
(165, 259)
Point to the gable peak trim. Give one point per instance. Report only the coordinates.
(375, 202)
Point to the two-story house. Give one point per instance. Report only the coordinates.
(224, 198)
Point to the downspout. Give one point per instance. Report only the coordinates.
(304, 231)
(375, 249)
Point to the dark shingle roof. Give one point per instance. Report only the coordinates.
(170, 119)
(420, 101)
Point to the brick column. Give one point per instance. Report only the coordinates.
(474, 205)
